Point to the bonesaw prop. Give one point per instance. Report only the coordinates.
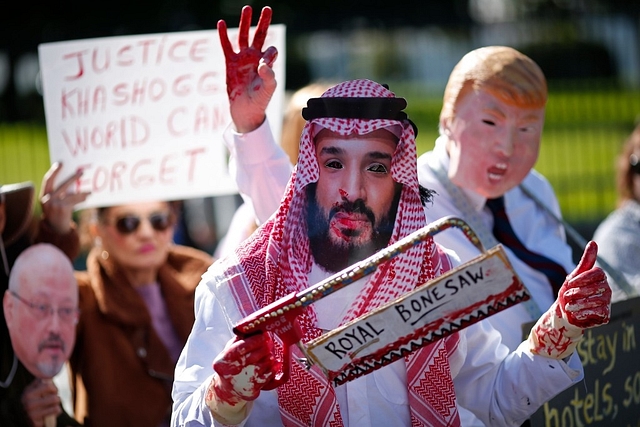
(458, 298)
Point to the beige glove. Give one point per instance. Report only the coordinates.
(584, 301)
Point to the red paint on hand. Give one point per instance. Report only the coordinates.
(250, 79)
(584, 301)
(585, 297)
(243, 368)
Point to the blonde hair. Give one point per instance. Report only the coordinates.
(507, 74)
(293, 122)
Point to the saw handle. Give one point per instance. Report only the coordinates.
(279, 318)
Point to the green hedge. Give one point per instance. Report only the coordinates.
(584, 131)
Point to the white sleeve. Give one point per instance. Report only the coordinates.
(194, 370)
(502, 388)
(260, 167)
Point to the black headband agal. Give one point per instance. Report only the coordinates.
(357, 108)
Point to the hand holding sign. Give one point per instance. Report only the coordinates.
(59, 203)
(41, 403)
(250, 78)
(584, 301)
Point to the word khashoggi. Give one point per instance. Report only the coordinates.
(76, 102)
(169, 170)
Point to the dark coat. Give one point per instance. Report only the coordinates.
(122, 371)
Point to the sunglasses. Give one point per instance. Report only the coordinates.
(127, 224)
(634, 161)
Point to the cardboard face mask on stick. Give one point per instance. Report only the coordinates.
(41, 310)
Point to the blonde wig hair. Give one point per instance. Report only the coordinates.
(507, 74)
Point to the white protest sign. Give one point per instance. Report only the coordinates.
(144, 115)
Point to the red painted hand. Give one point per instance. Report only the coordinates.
(250, 78)
(243, 368)
(584, 301)
(585, 297)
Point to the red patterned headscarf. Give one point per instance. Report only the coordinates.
(277, 259)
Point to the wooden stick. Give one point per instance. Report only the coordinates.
(50, 421)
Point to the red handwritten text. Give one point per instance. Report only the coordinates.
(170, 169)
(145, 52)
(125, 132)
(82, 102)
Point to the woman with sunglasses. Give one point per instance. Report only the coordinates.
(618, 236)
(136, 311)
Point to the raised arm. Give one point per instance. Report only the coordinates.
(259, 166)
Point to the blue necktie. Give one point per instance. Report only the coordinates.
(503, 231)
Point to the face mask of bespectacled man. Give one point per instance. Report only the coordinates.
(41, 309)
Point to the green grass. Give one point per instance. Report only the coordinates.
(584, 132)
(24, 154)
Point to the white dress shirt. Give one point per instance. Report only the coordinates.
(260, 167)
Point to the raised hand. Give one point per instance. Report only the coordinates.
(58, 203)
(40, 400)
(584, 301)
(250, 79)
(241, 370)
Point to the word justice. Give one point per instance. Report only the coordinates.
(168, 170)
(146, 52)
(135, 131)
(82, 102)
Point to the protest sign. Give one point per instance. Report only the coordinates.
(610, 392)
(453, 301)
(144, 115)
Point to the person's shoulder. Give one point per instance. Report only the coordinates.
(86, 293)
(604, 231)
(538, 184)
(625, 218)
(425, 159)
(189, 256)
(536, 178)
